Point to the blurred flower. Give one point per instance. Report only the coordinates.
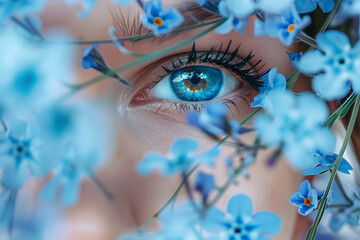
(19, 153)
(92, 58)
(326, 161)
(31, 72)
(304, 6)
(160, 21)
(346, 215)
(236, 13)
(19, 7)
(87, 4)
(306, 199)
(295, 122)
(181, 158)
(347, 9)
(201, 2)
(294, 58)
(272, 81)
(336, 65)
(239, 223)
(285, 27)
(204, 183)
(68, 175)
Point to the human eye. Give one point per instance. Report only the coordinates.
(188, 81)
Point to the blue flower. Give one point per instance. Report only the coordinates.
(201, 2)
(19, 154)
(239, 223)
(304, 6)
(326, 161)
(272, 81)
(87, 4)
(34, 72)
(336, 65)
(347, 9)
(68, 175)
(213, 121)
(346, 215)
(160, 21)
(91, 58)
(236, 15)
(295, 122)
(181, 158)
(285, 27)
(19, 7)
(294, 58)
(306, 199)
(204, 183)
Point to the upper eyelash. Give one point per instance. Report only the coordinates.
(224, 59)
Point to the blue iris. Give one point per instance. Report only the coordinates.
(196, 83)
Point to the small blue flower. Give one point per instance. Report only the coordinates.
(92, 58)
(347, 9)
(88, 6)
(306, 199)
(213, 120)
(204, 183)
(272, 81)
(295, 122)
(19, 153)
(346, 215)
(294, 58)
(336, 65)
(160, 21)
(285, 27)
(304, 6)
(69, 174)
(239, 223)
(325, 161)
(236, 13)
(181, 158)
(19, 7)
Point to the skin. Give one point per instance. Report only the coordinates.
(141, 129)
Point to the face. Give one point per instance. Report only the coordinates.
(148, 118)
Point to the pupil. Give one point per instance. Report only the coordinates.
(195, 79)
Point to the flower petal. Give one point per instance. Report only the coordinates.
(240, 205)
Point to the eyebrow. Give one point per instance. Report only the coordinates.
(128, 25)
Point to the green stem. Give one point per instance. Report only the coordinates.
(250, 116)
(137, 37)
(142, 60)
(338, 113)
(322, 204)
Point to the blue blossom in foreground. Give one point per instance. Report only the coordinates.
(326, 161)
(204, 183)
(304, 6)
(294, 58)
(285, 27)
(213, 120)
(347, 9)
(19, 154)
(88, 6)
(161, 21)
(336, 65)
(32, 72)
(272, 81)
(181, 158)
(69, 174)
(306, 199)
(236, 15)
(19, 7)
(92, 58)
(295, 122)
(239, 222)
(346, 215)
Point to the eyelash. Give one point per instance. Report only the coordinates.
(224, 59)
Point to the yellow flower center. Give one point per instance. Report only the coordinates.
(158, 21)
(307, 201)
(291, 27)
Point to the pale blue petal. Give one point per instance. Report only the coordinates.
(226, 27)
(314, 171)
(49, 190)
(304, 6)
(312, 62)
(297, 199)
(70, 191)
(240, 206)
(152, 161)
(326, 5)
(304, 188)
(267, 222)
(213, 220)
(333, 42)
